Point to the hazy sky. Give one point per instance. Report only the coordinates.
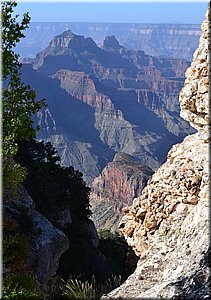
(116, 11)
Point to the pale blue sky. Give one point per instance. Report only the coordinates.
(125, 12)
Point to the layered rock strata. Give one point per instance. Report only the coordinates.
(167, 226)
(120, 182)
(168, 40)
(104, 101)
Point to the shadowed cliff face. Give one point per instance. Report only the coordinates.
(101, 102)
(48, 242)
(167, 226)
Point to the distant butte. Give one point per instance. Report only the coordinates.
(168, 40)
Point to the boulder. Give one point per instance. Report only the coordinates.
(48, 242)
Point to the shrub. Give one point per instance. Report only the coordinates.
(15, 292)
(13, 175)
(106, 234)
(20, 279)
(18, 101)
(19, 286)
(76, 289)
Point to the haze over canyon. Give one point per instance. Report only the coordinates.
(103, 101)
(169, 40)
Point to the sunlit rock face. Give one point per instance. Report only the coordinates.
(120, 182)
(167, 225)
(194, 97)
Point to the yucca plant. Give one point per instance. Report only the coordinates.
(76, 289)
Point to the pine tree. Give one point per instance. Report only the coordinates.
(18, 101)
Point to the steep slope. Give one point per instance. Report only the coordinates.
(168, 40)
(168, 224)
(120, 182)
(101, 102)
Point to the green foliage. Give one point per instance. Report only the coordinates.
(19, 286)
(10, 292)
(18, 101)
(106, 234)
(19, 105)
(20, 279)
(11, 35)
(76, 289)
(52, 186)
(13, 174)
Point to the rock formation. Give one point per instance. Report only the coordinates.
(167, 40)
(167, 226)
(194, 97)
(48, 244)
(58, 244)
(121, 181)
(110, 43)
(101, 102)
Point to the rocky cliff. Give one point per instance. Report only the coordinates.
(168, 40)
(168, 224)
(104, 101)
(121, 181)
(48, 243)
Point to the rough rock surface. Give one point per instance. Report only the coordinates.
(48, 244)
(194, 98)
(167, 225)
(120, 182)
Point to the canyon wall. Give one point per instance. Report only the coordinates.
(119, 183)
(167, 226)
(102, 101)
(168, 40)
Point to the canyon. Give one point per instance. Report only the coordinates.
(167, 40)
(101, 102)
(137, 126)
